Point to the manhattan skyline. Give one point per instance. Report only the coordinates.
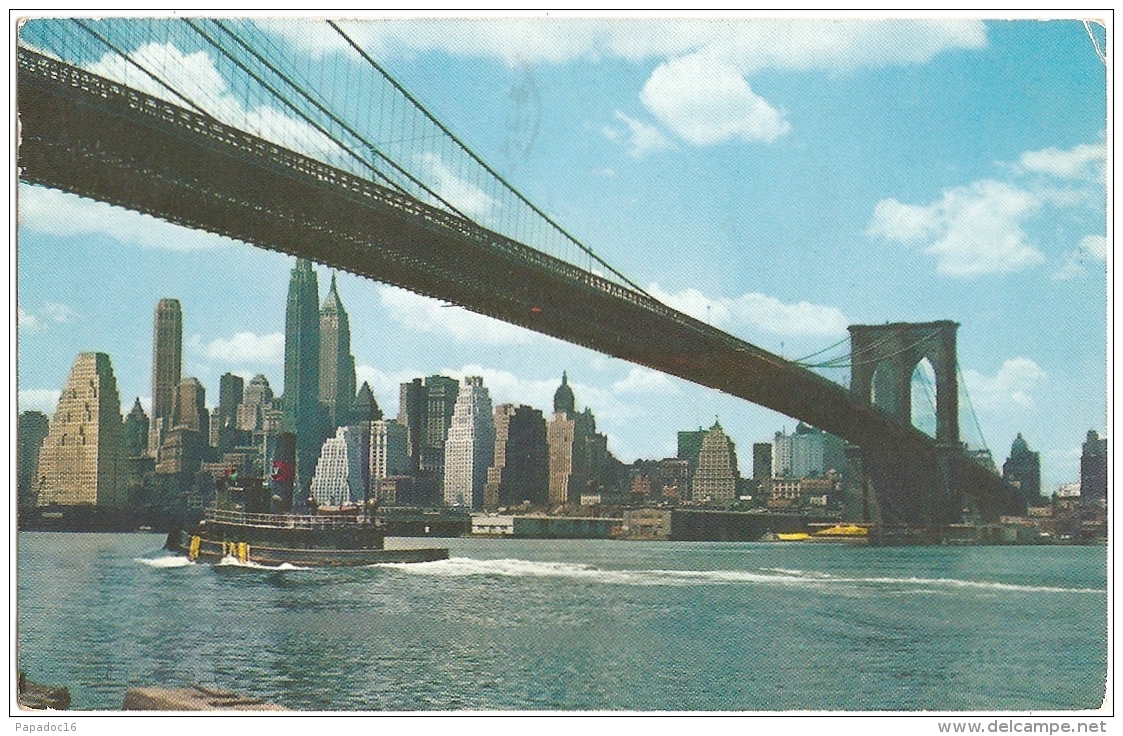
(920, 177)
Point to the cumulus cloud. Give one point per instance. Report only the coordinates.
(27, 321)
(758, 311)
(1091, 250)
(706, 100)
(1082, 161)
(242, 348)
(1010, 388)
(58, 312)
(640, 137)
(645, 381)
(39, 399)
(422, 314)
(973, 230)
(981, 228)
(699, 89)
(52, 212)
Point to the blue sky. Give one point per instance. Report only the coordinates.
(781, 180)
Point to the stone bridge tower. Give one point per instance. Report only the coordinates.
(883, 359)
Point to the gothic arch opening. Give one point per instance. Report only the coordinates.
(923, 397)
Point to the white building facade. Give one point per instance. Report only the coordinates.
(338, 478)
(470, 447)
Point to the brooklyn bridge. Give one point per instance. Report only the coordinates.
(326, 184)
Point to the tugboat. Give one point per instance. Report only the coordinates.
(242, 526)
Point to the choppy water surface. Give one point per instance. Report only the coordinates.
(576, 625)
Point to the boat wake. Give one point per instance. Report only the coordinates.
(826, 582)
(165, 562)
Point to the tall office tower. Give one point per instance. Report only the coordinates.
(809, 453)
(440, 401)
(389, 454)
(136, 431)
(337, 365)
(257, 397)
(521, 469)
(303, 415)
(80, 462)
(577, 453)
(184, 445)
(762, 461)
(470, 447)
(339, 472)
(167, 366)
(1093, 468)
(412, 401)
(190, 407)
(1023, 469)
(715, 480)
(31, 430)
(231, 389)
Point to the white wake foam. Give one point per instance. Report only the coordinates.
(466, 566)
(165, 562)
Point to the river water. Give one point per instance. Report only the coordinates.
(576, 626)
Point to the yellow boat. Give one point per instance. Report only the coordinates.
(793, 537)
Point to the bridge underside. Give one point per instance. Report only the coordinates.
(98, 139)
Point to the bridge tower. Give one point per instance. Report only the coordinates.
(909, 489)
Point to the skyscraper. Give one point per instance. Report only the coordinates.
(31, 431)
(167, 364)
(339, 472)
(303, 415)
(411, 414)
(470, 447)
(715, 480)
(1093, 467)
(440, 401)
(337, 365)
(80, 461)
(520, 471)
(1023, 469)
(578, 454)
(136, 431)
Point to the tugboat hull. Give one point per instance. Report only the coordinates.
(205, 549)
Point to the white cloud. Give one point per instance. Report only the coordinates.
(699, 90)
(1081, 162)
(460, 193)
(27, 321)
(751, 44)
(39, 399)
(972, 230)
(1092, 249)
(422, 314)
(52, 212)
(242, 348)
(57, 312)
(706, 100)
(1010, 388)
(640, 137)
(758, 311)
(645, 381)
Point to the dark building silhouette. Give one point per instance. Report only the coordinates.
(167, 366)
(231, 389)
(225, 434)
(411, 415)
(762, 461)
(302, 412)
(440, 402)
(1093, 467)
(1023, 469)
(521, 470)
(136, 431)
(337, 365)
(364, 407)
(31, 430)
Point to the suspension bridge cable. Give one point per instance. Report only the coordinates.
(588, 251)
(81, 24)
(288, 103)
(819, 352)
(971, 406)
